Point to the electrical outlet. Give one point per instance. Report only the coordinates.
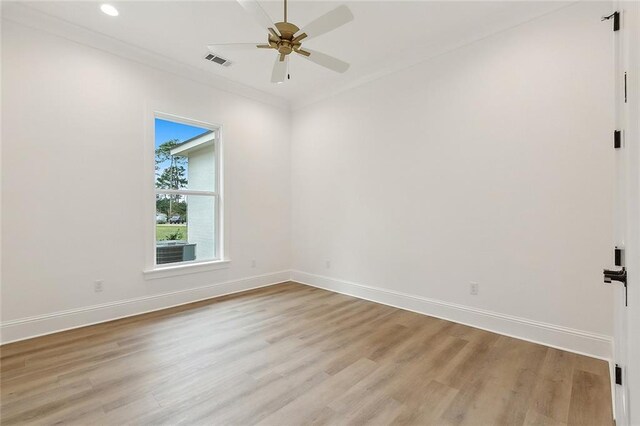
(327, 264)
(473, 288)
(97, 286)
(253, 263)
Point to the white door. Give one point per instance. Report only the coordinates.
(627, 215)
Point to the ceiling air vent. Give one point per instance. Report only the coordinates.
(217, 59)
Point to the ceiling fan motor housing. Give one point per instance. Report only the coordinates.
(285, 45)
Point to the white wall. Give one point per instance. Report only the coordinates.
(73, 184)
(492, 163)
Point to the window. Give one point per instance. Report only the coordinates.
(187, 196)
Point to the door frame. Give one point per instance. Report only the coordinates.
(627, 318)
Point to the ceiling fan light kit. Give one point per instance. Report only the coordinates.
(286, 38)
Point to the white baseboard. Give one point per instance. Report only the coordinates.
(26, 328)
(572, 340)
(578, 341)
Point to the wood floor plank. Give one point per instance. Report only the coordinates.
(585, 409)
(534, 418)
(293, 354)
(552, 395)
(310, 404)
(427, 406)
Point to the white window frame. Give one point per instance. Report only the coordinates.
(152, 270)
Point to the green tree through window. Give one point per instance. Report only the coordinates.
(172, 176)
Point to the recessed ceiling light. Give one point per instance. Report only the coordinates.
(109, 10)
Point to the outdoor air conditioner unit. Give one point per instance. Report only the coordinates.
(174, 251)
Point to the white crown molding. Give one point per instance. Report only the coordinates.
(23, 15)
(36, 19)
(26, 328)
(568, 339)
(412, 58)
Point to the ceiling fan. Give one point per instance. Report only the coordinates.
(285, 38)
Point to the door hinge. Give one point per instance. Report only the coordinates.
(617, 139)
(618, 375)
(616, 20)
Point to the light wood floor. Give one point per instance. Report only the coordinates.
(291, 354)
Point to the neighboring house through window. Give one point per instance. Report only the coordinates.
(187, 168)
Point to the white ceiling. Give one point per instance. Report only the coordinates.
(384, 36)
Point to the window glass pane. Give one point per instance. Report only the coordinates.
(185, 156)
(185, 228)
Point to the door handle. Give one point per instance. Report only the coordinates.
(620, 276)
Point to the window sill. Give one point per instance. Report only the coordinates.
(190, 268)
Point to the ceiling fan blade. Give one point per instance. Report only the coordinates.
(279, 72)
(235, 46)
(324, 60)
(327, 22)
(253, 8)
